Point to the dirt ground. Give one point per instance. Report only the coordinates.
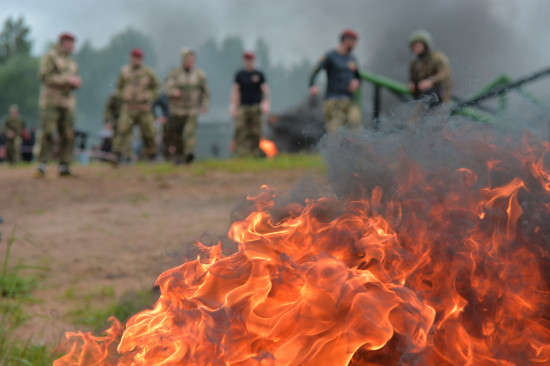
(113, 228)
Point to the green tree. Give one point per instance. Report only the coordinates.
(14, 39)
(262, 55)
(18, 70)
(220, 61)
(20, 85)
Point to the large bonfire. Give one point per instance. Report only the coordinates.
(408, 262)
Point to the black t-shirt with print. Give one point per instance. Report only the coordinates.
(250, 86)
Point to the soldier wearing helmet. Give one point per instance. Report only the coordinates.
(59, 77)
(138, 87)
(429, 71)
(343, 80)
(188, 95)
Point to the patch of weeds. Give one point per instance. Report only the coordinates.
(15, 290)
(14, 286)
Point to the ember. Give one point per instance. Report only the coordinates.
(268, 147)
(441, 266)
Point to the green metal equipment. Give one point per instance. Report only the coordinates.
(470, 107)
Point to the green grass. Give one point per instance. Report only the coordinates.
(280, 162)
(13, 285)
(95, 318)
(312, 162)
(15, 291)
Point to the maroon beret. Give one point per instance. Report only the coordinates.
(249, 56)
(348, 33)
(66, 35)
(136, 52)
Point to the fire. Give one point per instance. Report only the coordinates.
(450, 269)
(268, 147)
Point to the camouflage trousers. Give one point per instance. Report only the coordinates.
(122, 141)
(248, 130)
(60, 120)
(13, 149)
(341, 113)
(181, 133)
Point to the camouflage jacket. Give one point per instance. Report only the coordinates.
(137, 87)
(15, 124)
(434, 65)
(56, 68)
(112, 109)
(194, 91)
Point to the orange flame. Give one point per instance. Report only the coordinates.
(268, 147)
(434, 279)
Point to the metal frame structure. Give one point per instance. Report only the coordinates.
(471, 107)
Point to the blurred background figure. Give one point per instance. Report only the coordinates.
(343, 80)
(188, 95)
(138, 87)
(429, 73)
(59, 77)
(250, 99)
(161, 111)
(27, 145)
(13, 126)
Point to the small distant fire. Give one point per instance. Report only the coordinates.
(268, 147)
(448, 271)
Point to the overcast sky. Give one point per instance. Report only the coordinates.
(481, 35)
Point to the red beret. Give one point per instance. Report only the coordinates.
(348, 33)
(66, 35)
(249, 56)
(136, 52)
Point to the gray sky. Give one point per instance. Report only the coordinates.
(480, 37)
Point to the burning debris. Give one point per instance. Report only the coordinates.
(440, 257)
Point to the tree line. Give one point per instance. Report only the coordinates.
(99, 67)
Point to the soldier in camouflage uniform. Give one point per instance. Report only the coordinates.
(188, 94)
(250, 98)
(429, 71)
(59, 77)
(343, 80)
(13, 126)
(137, 87)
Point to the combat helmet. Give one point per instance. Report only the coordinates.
(421, 36)
(185, 51)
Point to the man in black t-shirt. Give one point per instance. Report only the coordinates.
(343, 80)
(249, 100)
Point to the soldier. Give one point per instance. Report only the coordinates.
(343, 80)
(429, 71)
(59, 77)
(250, 97)
(188, 94)
(13, 127)
(137, 87)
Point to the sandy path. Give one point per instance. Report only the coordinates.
(113, 228)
